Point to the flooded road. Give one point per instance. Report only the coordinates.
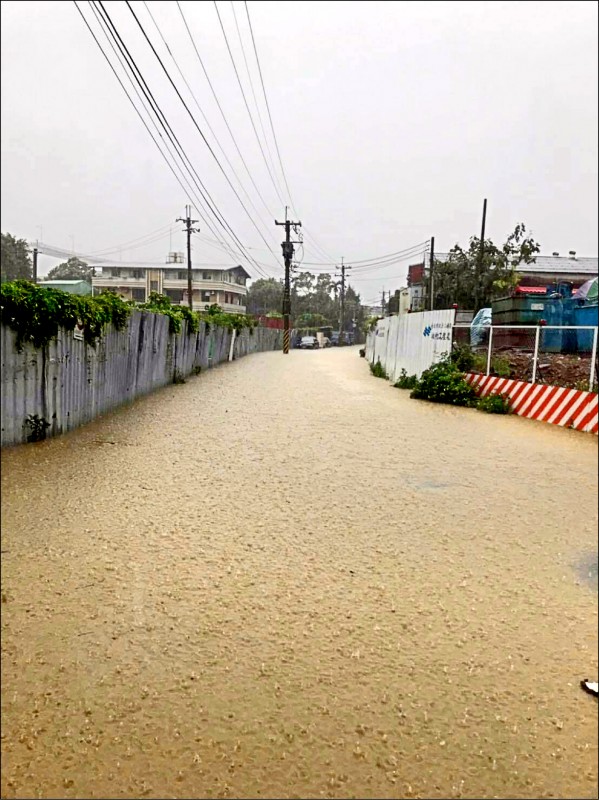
(287, 579)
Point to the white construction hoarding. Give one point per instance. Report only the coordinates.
(413, 342)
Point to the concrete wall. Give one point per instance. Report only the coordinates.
(69, 383)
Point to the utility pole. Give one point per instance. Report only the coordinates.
(344, 269)
(383, 304)
(35, 264)
(480, 257)
(432, 273)
(288, 249)
(188, 222)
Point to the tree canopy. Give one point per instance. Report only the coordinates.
(15, 261)
(315, 300)
(265, 296)
(71, 270)
(471, 282)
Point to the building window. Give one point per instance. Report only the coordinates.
(116, 273)
(207, 276)
(176, 295)
(182, 275)
(205, 297)
(137, 273)
(153, 286)
(139, 295)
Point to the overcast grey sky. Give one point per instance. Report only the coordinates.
(394, 121)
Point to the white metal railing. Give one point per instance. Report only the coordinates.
(537, 346)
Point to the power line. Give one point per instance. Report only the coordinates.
(251, 82)
(193, 119)
(375, 260)
(316, 245)
(199, 57)
(131, 99)
(137, 77)
(126, 245)
(221, 148)
(124, 54)
(272, 128)
(222, 27)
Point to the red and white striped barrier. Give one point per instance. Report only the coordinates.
(565, 407)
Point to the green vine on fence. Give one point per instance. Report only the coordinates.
(36, 313)
(161, 304)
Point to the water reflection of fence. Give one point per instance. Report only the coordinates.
(564, 355)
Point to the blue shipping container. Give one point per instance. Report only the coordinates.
(586, 315)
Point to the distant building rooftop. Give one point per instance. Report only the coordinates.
(81, 287)
(63, 283)
(573, 264)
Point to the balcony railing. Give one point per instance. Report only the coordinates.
(110, 280)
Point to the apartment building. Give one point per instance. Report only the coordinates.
(225, 287)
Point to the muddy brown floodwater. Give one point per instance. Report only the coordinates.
(287, 579)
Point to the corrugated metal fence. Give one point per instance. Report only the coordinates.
(69, 383)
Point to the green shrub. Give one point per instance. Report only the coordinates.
(406, 381)
(378, 370)
(463, 358)
(466, 360)
(494, 404)
(444, 383)
(500, 366)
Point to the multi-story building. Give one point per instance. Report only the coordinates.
(225, 287)
(416, 287)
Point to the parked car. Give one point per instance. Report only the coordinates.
(336, 340)
(308, 343)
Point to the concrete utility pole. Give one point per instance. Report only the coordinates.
(188, 222)
(344, 269)
(35, 264)
(383, 304)
(288, 249)
(432, 273)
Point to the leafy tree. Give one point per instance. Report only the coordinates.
(15, 261)
(354, 310)
(265, 296)
(72, 270)
(308, 320)
(471, 282)
(315, 301)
